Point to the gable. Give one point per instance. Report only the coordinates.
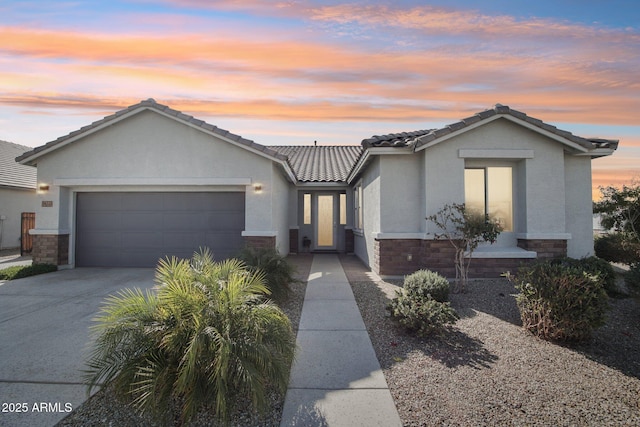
(155, 138)
(595, 147)
(149, 144)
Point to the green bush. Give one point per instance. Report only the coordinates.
(277, 270)
(425, 283)
(205, 340)
(615, 247)
(559, 301)
(421, 305)
(422, 315)
(595, 266)
(21, 271)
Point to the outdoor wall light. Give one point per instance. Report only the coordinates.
(257, 188)
(43, 188)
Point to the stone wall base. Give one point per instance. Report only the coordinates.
(260, 242)
(50, 249)
(545, 248)
(399, 257)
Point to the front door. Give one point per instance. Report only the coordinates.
(325, 223)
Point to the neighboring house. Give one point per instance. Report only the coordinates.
(150, 181)
(17, 193)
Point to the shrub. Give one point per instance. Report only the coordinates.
(425, 283)
(205, 339)
(277, 270)
(615, 247)
(558, 301)
(422, 315)
(598, 267)
(421, 305)
(21, 271)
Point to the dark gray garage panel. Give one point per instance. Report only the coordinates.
(137, 229)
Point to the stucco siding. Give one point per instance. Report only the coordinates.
(151, 152)
(579, 218)
(401, 195)
(371, 199)
(538, 171)
(443, 179)
(12, 204)
(151, 145)
(280, 207)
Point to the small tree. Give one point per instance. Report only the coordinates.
(465, 230)
(620, 211)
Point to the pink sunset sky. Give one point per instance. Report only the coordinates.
(291, 72)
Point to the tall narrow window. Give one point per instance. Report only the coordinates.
(307, 208)
(490, 191)
(343, 208)
(357, 203)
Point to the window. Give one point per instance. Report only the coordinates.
(357, 203)
(343, 208)
(307, 208)
(490, 191)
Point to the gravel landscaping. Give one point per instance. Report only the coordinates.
(486, 370)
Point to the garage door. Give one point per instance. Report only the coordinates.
(136, 229)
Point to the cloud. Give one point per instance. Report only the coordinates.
(241, 68)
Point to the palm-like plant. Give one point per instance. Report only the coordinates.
(206, 337)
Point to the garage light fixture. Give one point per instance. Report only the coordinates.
(257, 188)
(43, 188)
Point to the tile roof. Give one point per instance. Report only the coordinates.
(403, 139)
(12, 173)
(422, 137)
(320, 163)
(152, 104)
(506, 110)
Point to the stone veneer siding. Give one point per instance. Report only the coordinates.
(545, 248)
(260, 242)
(50, 249)
(398, 257)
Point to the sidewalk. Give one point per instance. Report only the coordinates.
(11, 258)
(336, 379)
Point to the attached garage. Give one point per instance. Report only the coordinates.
(135, 229)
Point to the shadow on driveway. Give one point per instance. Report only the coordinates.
(44, 331)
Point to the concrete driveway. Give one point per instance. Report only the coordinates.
(44, 339)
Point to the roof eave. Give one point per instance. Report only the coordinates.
(597, 153)
(361, 163)
(30, 157)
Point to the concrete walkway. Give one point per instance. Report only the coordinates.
(336, 379)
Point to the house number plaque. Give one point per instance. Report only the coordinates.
(47, 203)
